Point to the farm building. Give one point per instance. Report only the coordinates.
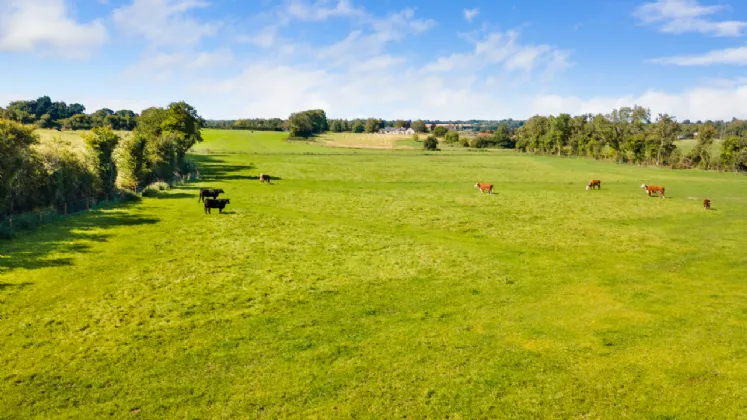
(392, 130)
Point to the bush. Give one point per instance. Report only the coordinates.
(430, 143)
(153, 189)
(440, 131)
(415, 137)
(452, 137)
(464, 141)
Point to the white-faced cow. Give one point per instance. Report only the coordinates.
(484, 188)
(594, 183)
(264, 178)
(651, 189)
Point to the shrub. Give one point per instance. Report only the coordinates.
(440, 131)
(464, 141)
(452, 137)
(430, 143)
(415, 137)
(153, 189)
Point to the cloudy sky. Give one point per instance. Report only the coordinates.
(487, 59)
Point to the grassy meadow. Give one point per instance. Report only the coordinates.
(382, 284)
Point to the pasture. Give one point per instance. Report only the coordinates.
(380, 284)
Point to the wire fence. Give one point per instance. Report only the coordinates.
(12, 223)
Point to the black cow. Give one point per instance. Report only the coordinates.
(204, 192)
(219, 204)
(264, 178)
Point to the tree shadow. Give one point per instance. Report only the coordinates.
(69, 236)
(167, 196)
(8, 286)
(213, 168)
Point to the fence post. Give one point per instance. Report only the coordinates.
(65, 209)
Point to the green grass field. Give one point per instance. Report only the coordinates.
(382, 284)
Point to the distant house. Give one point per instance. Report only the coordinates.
(398, 131)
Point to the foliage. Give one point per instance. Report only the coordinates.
(130, 157)
(373, 125)
(430, 143)
(415, 137)
(452, 137)
(440, 131)
(101, 142)
(307, 123)
(44, 113)
(418, 126)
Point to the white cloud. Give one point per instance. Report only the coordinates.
(734, 56)
(700, 103)
(164, 22)
(163, 66)
(505, 50)
(318, 11)
(681, 16)
(28, 25)
(266, 38)
(470, 14)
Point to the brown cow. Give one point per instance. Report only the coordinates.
(653, 189)
(594, 183)
(707, 204)
(485, 187)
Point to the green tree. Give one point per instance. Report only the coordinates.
(19, 166)
(452, 137)
(399, 124)
(100, 143)
(372, 125)
(130, 159)
(666, 131)
(430, 143)
(440, 131)
(560, 130)
(358, 126)
(701, 154)
(300, 125)
(418, 126)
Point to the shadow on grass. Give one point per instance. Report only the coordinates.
(164, 196)
(214, 169)
(31, 250)
(4, 286)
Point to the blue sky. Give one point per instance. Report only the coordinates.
(390, 59)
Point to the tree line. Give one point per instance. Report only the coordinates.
(33, 175)
(255, 124)
(44, 113)
(631, 135)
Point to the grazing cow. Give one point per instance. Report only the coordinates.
(263, 178)
(485, 187)
(653, 189)
(594, 183)
(219, 204)
(205, 192)
(707, 204)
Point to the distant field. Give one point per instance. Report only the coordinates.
(687, 145)
(370, 141)
(382, 284)
(73, 138)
